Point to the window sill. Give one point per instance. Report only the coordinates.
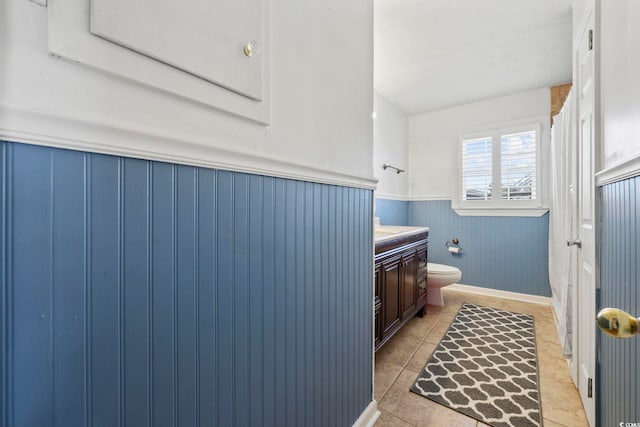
(530, 212)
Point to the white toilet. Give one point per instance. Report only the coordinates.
(439, 276)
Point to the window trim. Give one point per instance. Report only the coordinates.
(499, 207)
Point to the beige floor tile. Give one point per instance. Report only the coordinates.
(453, 306)
(559, 397)
(431, 318)
(526, 308)
(553, 371)
(384, 375)
(545, 340)
(417, 410)
(546, 326)
(399, 349)
(551, 423)
(435, 335)
(445, 417)
(433, 310)
(448, 316)
(550, 350)
(419, 327)
(561, 403)
(419, 359)
(552, 353)
(389, 420)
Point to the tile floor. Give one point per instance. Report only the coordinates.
(399, 362)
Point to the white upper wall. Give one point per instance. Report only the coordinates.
(390, 143)
(434, 138)
(620, 93)
(321, 68)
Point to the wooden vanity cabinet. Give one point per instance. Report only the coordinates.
(400, 284)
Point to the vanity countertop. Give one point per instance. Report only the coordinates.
(384, 233)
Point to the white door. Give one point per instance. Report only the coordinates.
(586, 221)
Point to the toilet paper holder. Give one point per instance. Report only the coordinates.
(453, 249)
(453, 241)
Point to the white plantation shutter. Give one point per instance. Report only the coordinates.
(499, 171)
(477, 170)
(518, 166)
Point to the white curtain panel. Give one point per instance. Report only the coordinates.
(560, 217)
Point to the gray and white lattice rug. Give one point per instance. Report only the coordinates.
(486, 367)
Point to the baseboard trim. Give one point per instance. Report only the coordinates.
(516, 296)
(369, 416)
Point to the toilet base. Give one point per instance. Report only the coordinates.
(435, 297)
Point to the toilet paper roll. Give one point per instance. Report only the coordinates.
(455, 250)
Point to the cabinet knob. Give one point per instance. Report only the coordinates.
(251, 48)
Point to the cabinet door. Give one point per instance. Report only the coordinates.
(205, 38)
(409, 285)
(391, 310)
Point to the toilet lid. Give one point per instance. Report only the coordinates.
(433, 268)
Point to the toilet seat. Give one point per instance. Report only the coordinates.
(441, 269)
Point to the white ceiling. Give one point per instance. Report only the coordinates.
(433, 54)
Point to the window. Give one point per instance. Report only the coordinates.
(477, 172)
(518, 158)
(499, 171)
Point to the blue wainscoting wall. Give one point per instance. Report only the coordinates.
(143, 293)
(619, 384)
(504, 253)
(392, 212)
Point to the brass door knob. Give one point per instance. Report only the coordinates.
(617, 323)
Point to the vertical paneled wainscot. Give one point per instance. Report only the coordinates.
(619, 375)
(141, 293)
(505, 253)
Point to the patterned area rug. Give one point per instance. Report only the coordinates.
(486, 367)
